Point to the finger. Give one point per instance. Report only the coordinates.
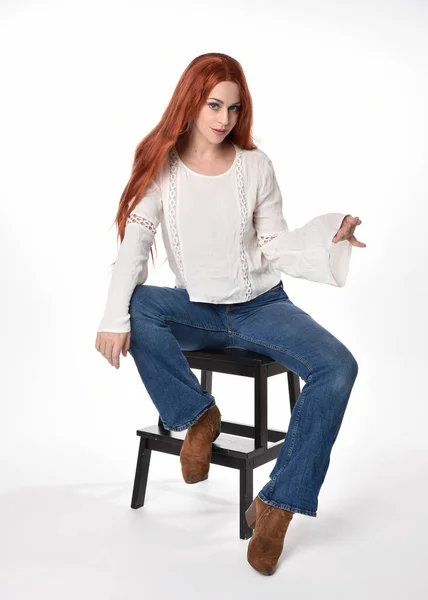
(127, 344)
(352, 221)
(351, 228)
(347, 229)
(106, 351)
(115, 358)
(338, 237)
(345, 233)
(353, 240)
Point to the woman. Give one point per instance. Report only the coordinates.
(200, 176)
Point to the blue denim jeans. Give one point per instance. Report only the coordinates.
(164, 322)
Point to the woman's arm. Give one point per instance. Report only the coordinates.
(131, 266)
(306, 252)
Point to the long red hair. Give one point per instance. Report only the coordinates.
(190, 94)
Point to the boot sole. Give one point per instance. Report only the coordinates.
(198, 480)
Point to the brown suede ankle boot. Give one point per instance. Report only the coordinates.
(195, 454)
(270, 525)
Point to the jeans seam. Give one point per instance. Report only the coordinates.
(195, 325)
(274, 347)
(192, 421)
(299, 406)
(285, 506)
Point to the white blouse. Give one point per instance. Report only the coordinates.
(225, 237)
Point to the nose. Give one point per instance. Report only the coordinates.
(224, 118)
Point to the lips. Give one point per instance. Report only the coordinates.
(219, 130)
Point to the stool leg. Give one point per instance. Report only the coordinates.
(245, 497)
(207, 380)
(260, 408)
(141, 475)
(293, 388)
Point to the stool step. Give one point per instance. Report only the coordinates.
(249, 431)
(228, 449)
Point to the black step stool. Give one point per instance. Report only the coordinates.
(256, 445)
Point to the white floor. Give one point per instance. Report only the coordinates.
(74, 535)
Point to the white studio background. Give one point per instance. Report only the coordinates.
(340, 92)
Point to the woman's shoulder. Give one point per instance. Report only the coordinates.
(257, 156)
(258, 163)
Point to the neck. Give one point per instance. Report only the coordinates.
(200, 148)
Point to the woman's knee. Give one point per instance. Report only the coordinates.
(346, 368)
(340, 361)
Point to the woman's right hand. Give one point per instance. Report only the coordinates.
(111, 344)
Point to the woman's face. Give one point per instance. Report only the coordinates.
(221, 111)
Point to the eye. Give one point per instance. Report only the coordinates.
(210, 104)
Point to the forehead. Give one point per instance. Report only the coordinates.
(226, 91)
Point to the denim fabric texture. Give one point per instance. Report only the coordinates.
(164, 322)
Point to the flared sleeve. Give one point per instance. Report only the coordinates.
(306, 252)
(131, 267)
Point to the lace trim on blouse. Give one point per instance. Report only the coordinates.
(263, 239)
(175, 243)
(135, 218)
(244, 218)
(173, 162)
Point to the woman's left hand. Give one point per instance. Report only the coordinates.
(346, 231)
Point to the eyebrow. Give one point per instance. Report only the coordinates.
(221, 101)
